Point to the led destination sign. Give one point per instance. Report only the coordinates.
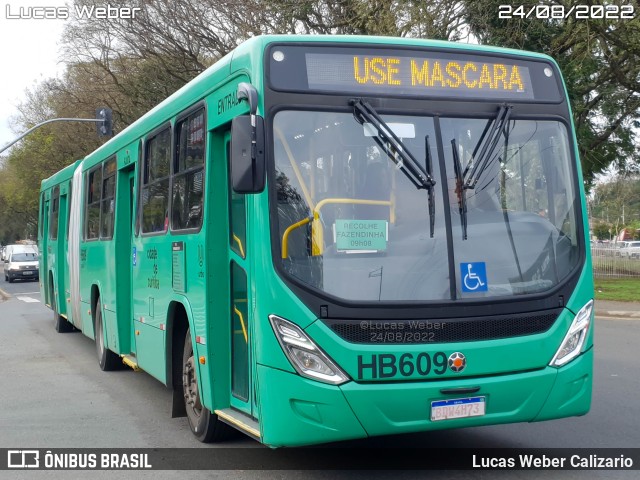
(418, 76)
(429, 74)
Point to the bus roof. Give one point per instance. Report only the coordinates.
(382, 40)
(60, 176)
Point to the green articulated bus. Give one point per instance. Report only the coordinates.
(330, 238)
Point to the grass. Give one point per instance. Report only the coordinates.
(618, 289)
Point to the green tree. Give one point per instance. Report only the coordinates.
(602, 231)
(617, 201)
(41, 154)
(600, 61)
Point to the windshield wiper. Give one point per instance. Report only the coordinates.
(478, 165)
(397, 151)
(432, 194)
(392, 145)
(468, 178)
(460, 188)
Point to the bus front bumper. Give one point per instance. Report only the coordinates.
(297, 411)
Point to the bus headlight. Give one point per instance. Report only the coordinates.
(573, 341)
(305, 356)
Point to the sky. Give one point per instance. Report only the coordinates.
(29, 53)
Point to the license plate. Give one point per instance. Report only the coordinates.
(457, 408)
(27, 273)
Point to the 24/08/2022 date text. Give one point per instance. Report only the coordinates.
(579, 12)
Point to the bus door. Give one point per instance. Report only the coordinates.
(133, 254)
(61, 253)
(242, 396)
(125, 258)
(45, 288)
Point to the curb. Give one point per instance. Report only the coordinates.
(622, 314)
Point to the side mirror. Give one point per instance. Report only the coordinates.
(247, 158)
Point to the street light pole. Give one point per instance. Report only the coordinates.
(103, 114)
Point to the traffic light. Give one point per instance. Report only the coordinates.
(105, 127)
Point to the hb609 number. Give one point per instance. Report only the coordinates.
(388, 365)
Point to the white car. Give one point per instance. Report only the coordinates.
(631, 250)
(19, 248)
(619, 246)
(23, 266)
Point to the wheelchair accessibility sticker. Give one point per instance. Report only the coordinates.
(474, 277)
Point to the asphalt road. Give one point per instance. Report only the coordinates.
(53, 394)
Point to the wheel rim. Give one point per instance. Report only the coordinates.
(190, 386)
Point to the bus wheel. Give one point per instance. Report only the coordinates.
(204, 424)
(62, 326)
(106, 358)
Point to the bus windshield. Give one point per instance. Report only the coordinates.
(352, 225)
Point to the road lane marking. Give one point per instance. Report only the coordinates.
(27, 293)
(27, 299)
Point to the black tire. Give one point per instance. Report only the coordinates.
(11, 280)
(205, 425)
(61, 325)
(107, 360)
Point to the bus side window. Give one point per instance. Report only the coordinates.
(92, 207)
(155, 183)
(188, 171)
(53, 220)
(69, 196)
(108, 198)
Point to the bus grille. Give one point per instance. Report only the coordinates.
(443, 330)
